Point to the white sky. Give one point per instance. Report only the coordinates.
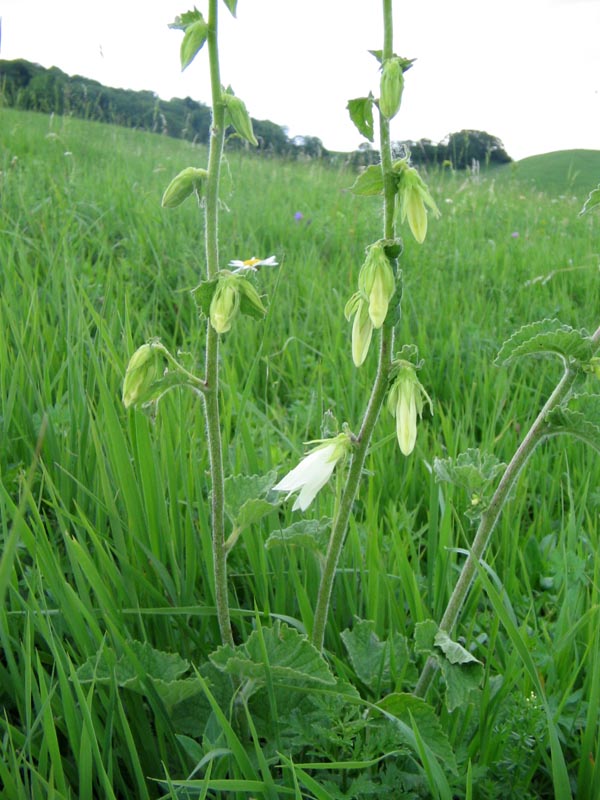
(527, 71)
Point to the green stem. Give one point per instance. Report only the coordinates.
(536, 434)
(211, 391)
(378, 392)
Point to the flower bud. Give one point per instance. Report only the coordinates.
(224, 304)
(181, 187)
(239, 117)
(414, 196)
(391, 86)
(405, 401)
(146, 367)
(362, 328)
(377, 283)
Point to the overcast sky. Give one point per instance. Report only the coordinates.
(527, 71)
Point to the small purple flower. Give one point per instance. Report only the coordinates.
(298, 216)
(515, 234)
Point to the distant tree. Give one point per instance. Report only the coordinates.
(364, 156)
(466, 146)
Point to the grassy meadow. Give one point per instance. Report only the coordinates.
(108, 620)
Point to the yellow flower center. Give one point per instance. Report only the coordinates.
(251, 262)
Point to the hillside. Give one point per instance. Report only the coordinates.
(572, 172)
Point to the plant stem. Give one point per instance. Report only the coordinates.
(211, 393)
(536, 434)
(378, 392)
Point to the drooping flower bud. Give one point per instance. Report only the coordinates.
(146, 367)
(225, 303)
(391, 86)
(362, 328)
(413, 196)
(181, 187)
(376, 282)
(239, 117)
(405, 402)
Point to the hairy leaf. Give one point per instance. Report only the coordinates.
(547, 337)
(406, 707)
(592, 201)
(578, 418)
(361, 114)
(245, 498)
(290, 657)
(375, 662)
(369, 182)
(310, 533)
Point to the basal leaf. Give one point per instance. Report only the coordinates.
(369, 182)
(460, 680)
(403, 706)
(548, 337)
(454, 652)
(290, 658)
(310, 533)
(425, 633)
(473, 471)
(375, 662)
(361, 114)
(106, 666)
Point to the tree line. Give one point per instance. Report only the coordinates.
(31, 87)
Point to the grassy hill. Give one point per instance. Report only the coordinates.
(573, 172)
(112, 679)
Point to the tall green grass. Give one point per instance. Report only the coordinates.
(104, 513)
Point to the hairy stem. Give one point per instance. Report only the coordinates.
(536, 434)
(211, 393)
(378, 392)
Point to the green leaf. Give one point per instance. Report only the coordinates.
(369, 182)
(290, 657)
(310, 533)
(575, 418)
(548, 337)
(125, 670)
(592, 201)
(361, 114)
(403, 706)
(375, 662)
(232, 6)
(454, 652)
(460, 680)
(203, 295)
(425, 633)
(472, 471)
(193, 40)
(250, 302)
(245, 498)
(182, 21)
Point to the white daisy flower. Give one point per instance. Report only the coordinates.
(253, 264)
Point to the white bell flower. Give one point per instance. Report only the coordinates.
(315, 469)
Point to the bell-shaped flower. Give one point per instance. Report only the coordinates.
(315, 469)
(414, 199)
(362, 328)
(405, 402)
(376, 282)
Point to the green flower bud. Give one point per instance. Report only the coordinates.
(405, 401)
(146, 367)
(224, 304)
(376, 282)
(391, 86)
(414, 196)
(362, 328)
(181, 187)
(239, 117)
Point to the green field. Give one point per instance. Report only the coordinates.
(108, 619)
